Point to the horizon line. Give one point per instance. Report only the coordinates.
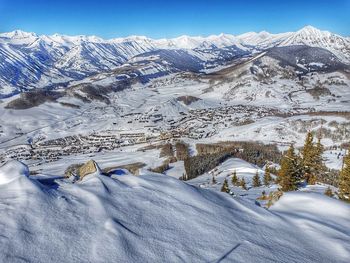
(160, 38)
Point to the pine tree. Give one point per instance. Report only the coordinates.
(256, 180)
(234, 179)
(329, 192)
(225, 187)
(319, 166)
(312, 160)
(308, 159)
(267, 175)
(243, 184)
(344, 179)
(290, 172)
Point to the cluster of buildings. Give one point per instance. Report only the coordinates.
(204, 123)
(52, 150)
(195, 124)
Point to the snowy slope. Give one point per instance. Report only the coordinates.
(313, 218)
(314, 37)
(41, 61)
(32, 61)
(225, 171)
(263, 40)
(147, 218)
(308, 35)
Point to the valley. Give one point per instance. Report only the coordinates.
(138, 149)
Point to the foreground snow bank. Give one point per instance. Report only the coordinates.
(11, 171)
(152, 218)
(322, 218)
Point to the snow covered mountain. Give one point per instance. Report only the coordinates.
(314, 37)
(262, 40)
(30, 61)
(137, 105)
(309, 36)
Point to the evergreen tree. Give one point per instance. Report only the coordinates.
(267, 175)
(234, 179)
(329, 192)
(213, 180)
(256, 180)
(312, 161)
(319, 166)
(225, 187)
(344, 179)
(243, 184)
(290, 172)
(308, 159)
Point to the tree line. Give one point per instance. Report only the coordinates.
(211, 155)
(308, 167)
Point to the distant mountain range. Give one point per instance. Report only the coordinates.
(31, 61)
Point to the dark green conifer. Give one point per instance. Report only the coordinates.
(344, 179)
(256, 180)
(290, 172)
(243, 184)
(267, 175)
(225, 187)
(234, 179)
(308, 159)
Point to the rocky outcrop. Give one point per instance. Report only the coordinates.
(90, 167)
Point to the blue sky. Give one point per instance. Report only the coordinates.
(171, 18)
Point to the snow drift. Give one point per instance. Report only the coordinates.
(152, 218)
(13, 170)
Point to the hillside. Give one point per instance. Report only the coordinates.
(174, 131)
(146, 218)
(53, 61)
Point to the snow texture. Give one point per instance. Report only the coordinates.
(124, 218)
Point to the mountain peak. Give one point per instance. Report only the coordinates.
(309, 27)
(130, 39)
(18, 34)
(264, 33)
(224, 35)
(310, 30)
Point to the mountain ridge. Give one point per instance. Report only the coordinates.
(32, 61)
(18, 33)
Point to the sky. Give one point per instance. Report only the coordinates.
(164, 18)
